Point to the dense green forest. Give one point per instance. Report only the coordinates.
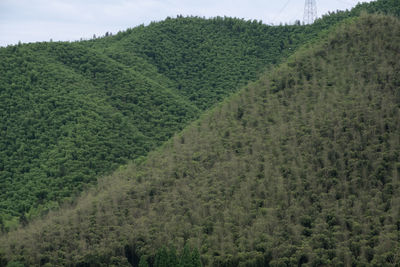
(64, 126)
(299, 168)
(72, 112)
(75, 111)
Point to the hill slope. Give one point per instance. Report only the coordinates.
(301, 167)
(114, 99)
(69, 115)
(71, 112)
(109, 101)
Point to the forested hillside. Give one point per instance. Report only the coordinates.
(71, 112)
(298, 168)
(74, 111)
(207, 59)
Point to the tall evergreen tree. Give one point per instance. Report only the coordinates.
(161, 259)
(143, 261)
(196, 262)
(172, 258)
(186, 257)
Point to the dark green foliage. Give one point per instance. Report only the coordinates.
(143, 262)
(162, 258)
(71, 112)
(15, 264)
(1, 224)
(64, 129)
(74, 111)
(299, 168)
(391, 7)
(172, 257)
(186, 257)
(168, 258)
(3, 260)
(206, 60)
(196, 262)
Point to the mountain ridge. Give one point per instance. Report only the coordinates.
(298, 168)
(132, 81)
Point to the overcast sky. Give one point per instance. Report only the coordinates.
(69, 20)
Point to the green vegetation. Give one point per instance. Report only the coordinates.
(76, 111)
(298, 168)
(72, 112)
(71, 115)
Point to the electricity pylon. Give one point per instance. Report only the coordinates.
(310, 12)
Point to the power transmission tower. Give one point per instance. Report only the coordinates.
(310, 12)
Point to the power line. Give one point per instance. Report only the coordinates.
(282, 9)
